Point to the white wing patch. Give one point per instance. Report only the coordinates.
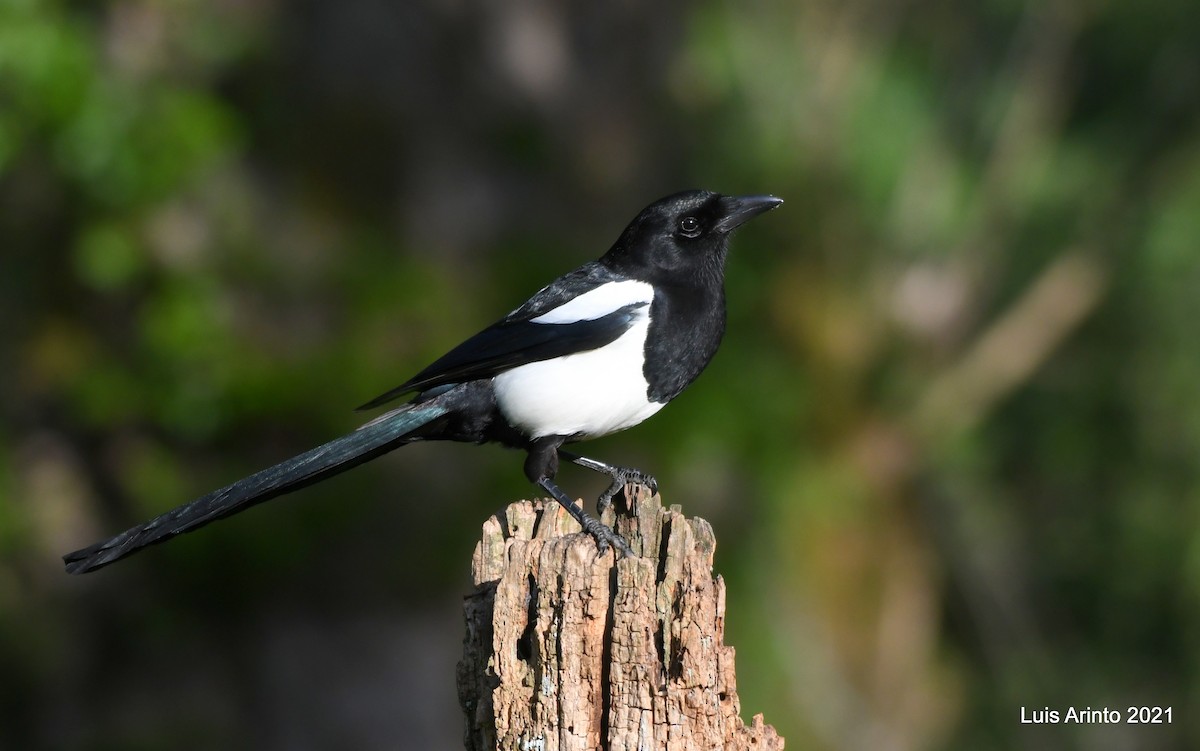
(587, 394)
(599, 302)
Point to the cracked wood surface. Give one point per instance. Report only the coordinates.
(565, 649)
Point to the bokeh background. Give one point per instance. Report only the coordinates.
(950, 446)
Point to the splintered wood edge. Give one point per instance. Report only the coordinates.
(660, 611)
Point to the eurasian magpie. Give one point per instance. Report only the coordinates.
(597, 350)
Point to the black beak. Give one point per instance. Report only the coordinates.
(741, 209)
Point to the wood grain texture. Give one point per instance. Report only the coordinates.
(565, 649)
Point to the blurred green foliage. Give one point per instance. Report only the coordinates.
(949, 445)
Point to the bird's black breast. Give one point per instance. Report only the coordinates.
(685, 330)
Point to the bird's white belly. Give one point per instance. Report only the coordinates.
(588, 394)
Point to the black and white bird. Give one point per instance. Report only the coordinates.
(597, 350)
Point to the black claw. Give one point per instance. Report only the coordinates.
(606, 498)
(618, 542)
(623, 477)
(626, 551)
(604, 536)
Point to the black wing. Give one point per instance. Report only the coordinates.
(567, 287)
(516, 340)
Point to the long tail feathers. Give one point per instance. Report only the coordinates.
(371, 440)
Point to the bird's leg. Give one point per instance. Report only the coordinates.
(540, 467)
(603, 535)
(621, 476)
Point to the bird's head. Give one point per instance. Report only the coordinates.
(683, 235)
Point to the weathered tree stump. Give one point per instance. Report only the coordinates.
(566, 649)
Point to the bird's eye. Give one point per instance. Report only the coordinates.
(689, 226)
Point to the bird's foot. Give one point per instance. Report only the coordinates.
(621, 477)
(602, 534)
(605, 536)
